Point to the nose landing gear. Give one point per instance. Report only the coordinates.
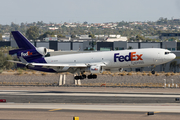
(152, 70)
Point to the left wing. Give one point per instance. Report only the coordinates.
(58, 67)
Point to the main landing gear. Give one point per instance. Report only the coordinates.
(92, 76)
(83, 76)
(80, 77)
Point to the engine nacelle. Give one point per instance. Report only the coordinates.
(96, 69)
(42, 50)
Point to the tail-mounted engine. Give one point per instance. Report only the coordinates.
(42, 50)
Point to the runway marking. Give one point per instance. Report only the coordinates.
(55, 110)
(90, 94)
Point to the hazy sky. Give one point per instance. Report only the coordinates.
(92, 11)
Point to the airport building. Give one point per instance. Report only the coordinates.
(99, 46)
(169, 36)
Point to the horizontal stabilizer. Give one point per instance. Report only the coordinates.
(23, 60)
(16, 62)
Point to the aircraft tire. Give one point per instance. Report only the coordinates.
(153, 72)
(84, 76)
(92, 76)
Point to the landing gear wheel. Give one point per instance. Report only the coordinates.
(92, 76)
(78, 77)
(153, 72)
(84, 76)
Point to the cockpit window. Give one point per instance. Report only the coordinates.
(167, 53)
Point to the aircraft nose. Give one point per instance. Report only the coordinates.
(173, 56)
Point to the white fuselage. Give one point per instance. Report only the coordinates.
(117, 59)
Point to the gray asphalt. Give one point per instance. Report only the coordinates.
(41, 114)
(84, 97)
(87, 111)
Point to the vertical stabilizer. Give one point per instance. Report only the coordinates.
(26, 50)
(22, 42)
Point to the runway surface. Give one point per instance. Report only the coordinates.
(85, 97)
(43, 114)
(175, 108)
(89, 103)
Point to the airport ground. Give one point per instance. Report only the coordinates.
(97, 103)
(126, 96)
(41, 114)
(131, 79)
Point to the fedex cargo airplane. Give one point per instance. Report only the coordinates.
(93, 62)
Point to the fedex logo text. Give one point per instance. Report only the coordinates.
(131, 57)
(26, 54)
(95, 69)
